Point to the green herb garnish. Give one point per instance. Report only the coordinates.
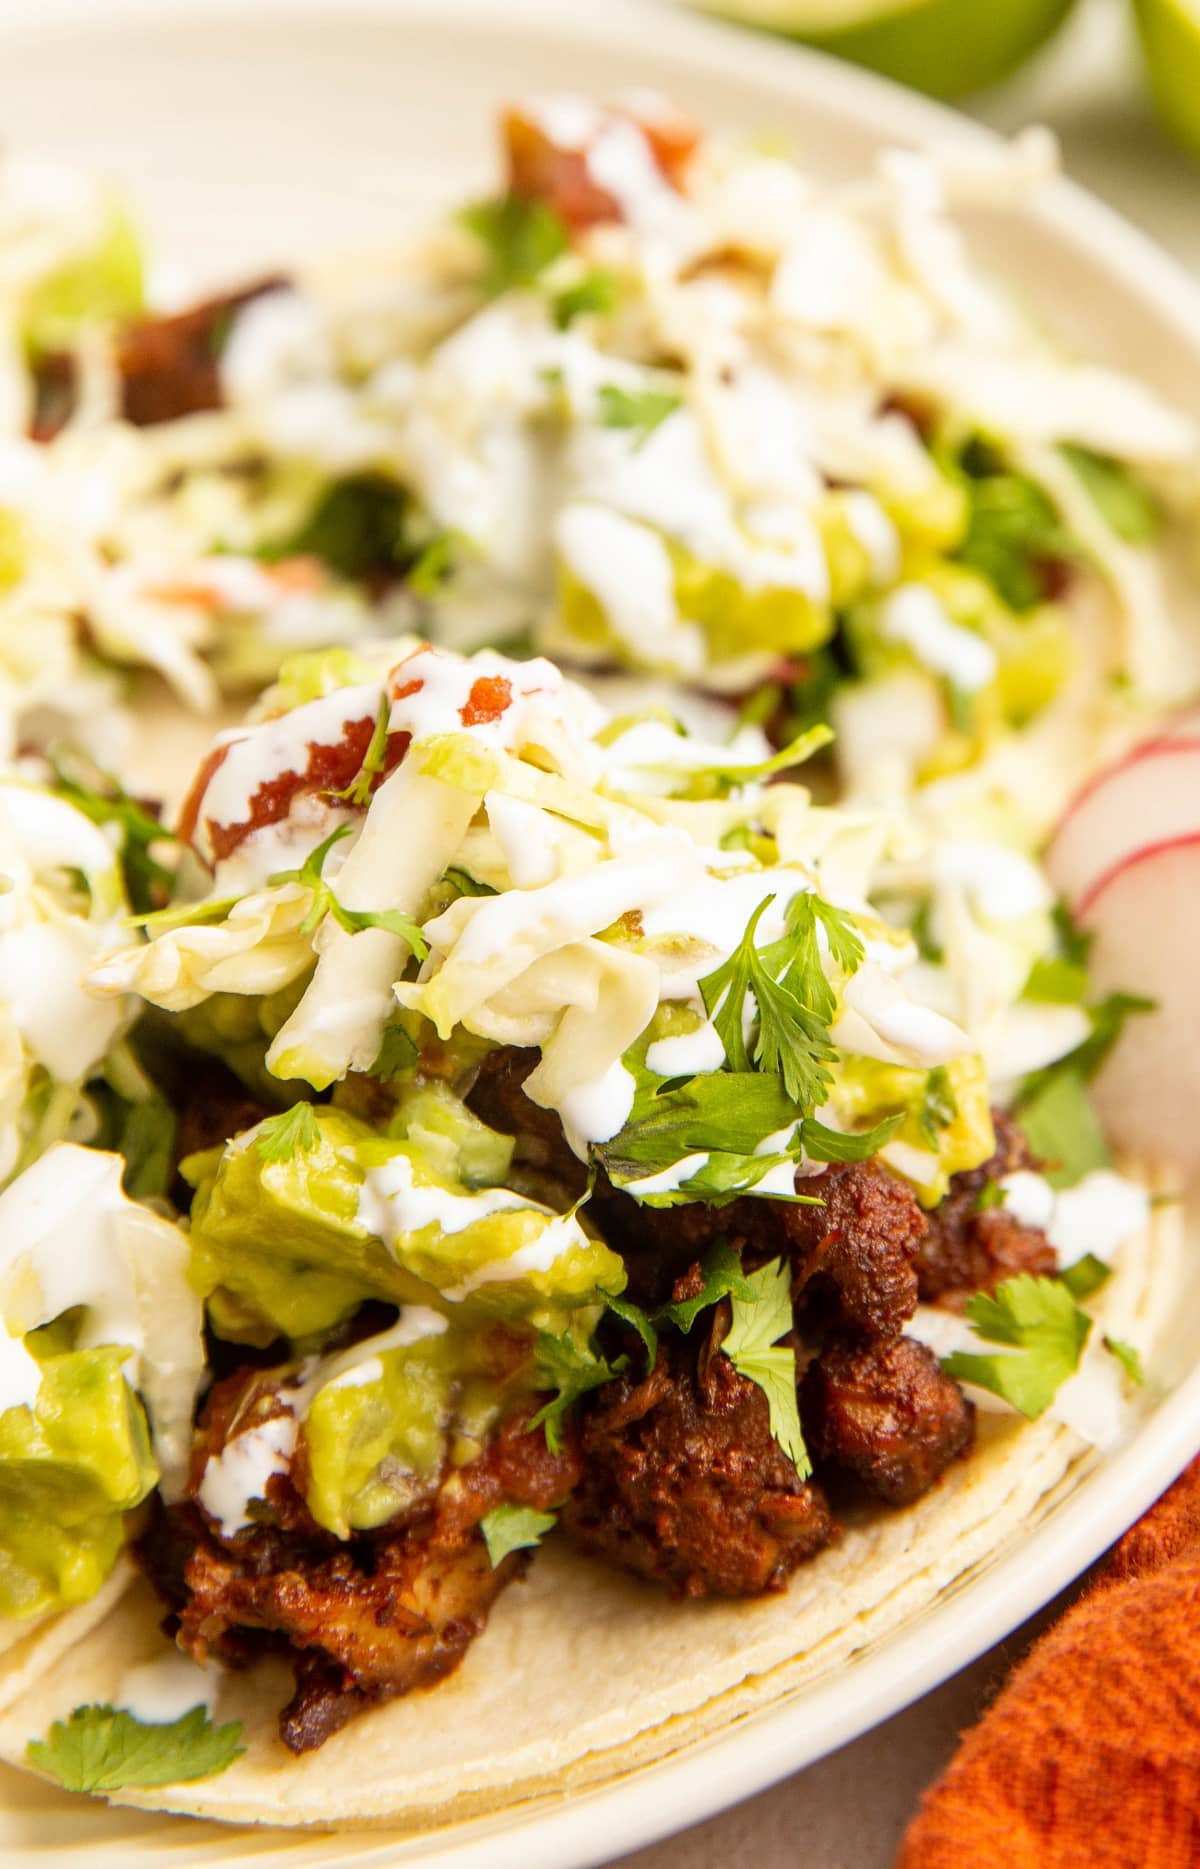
(1047, 1329)
(103, 1748)
(509, 1528)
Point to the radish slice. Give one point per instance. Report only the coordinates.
(1144, 915)
(1150, 798)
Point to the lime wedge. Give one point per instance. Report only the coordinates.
(945, 47)
(1170, 32)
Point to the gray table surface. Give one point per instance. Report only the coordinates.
(850, 1810)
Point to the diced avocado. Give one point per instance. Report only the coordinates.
(104, 283)
(452, 1141)
(70, 1466)
(279, 1247)
(948, 1119)
(375, 1441)
(735, 621)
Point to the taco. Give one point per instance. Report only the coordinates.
(526, 1230)
(576, 1155)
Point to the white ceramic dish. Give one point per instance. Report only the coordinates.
(252, 132)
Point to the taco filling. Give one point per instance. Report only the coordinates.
(575, 1140)
(591, 1059)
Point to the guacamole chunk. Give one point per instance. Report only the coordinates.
(70, 1466)
(293, 1246)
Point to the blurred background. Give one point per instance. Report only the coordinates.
(1118, 80)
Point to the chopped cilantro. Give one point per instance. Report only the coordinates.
(324, 902)
(990, 1195)
(1126, 504)
(939, 1106)
(572, 1369)
(795, 1004)
(278, 1138)
(1061, 1127)
(752, 1346)
(639, 410)
(464, 884)
(397, 1053)
(1013, 531)
(509, 1528)
(1053, 1104)
(724, 1111)
(435, 562)
(104, 800)
(595, 292)
(1128, 1358)
(521, 236)
(639, 1320)
(357, 527)
(1039, 1318)
(1085, 1277)
(102, 1748)
(840, 1145)
(721, 1270)
(358, 792)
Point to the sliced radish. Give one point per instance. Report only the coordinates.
(1144, 915)
(1151, 797)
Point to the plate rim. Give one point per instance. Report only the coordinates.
(598, 1825)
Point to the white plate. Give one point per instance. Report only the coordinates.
(257, 131)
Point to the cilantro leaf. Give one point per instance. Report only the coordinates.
(838, 1145)
(1126, 504)
(102, 1748)
(355, 528)
(1061, 1127)
(639, 1320)
(795, 1004)
(509, 1528)
(939, 1106)
(104, 800)
(358, 792)
(324, 902)
(521, 236)
(721, 1270)
(572, 1369)
(1013, 531)
(1128, 1358)
(435, 562)
(278, 1138)
(464, 884)
(595, 292)
(990, 1195)
(724, 1110)
(751, 1346)
(1085, 1277)
(1040, 1319)
(639, 410)
(397, 1053)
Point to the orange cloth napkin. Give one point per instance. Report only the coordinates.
(1090, 1758)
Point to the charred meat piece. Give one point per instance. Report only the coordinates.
(852, 1256)
(684, 1484)
(168, 366)
(969, 1248)
(886, 1412)
(364, 1620)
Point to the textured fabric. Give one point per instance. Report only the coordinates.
(1090, 1758)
